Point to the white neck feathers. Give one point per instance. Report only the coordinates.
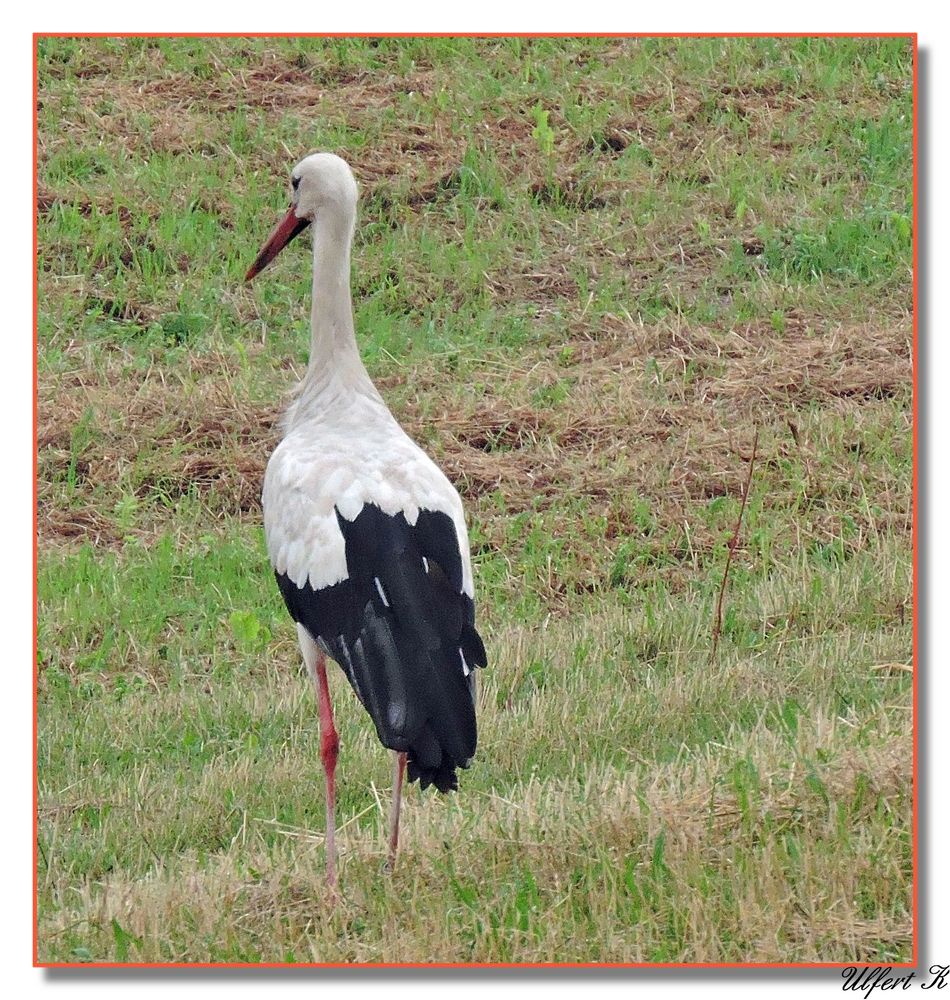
(334, 356)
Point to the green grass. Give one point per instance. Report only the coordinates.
(587, 272)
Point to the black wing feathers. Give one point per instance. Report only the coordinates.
(399, 627)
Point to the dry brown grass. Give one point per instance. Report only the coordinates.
(762, 813)
(664, 411)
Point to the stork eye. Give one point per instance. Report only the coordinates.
(295, 182)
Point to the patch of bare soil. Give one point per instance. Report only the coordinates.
(47, 200)
(151, 439)
(668, 415)
(274, 87)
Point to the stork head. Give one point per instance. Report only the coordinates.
(321, 184)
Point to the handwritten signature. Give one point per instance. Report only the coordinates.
(866, 981)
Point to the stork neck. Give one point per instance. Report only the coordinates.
(333, 351)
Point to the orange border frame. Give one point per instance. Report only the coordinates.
(915, 899)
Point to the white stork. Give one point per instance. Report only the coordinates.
(365, 534)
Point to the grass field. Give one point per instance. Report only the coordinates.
(587, 274)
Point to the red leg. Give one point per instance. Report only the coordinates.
(399, 770)
(329, 749)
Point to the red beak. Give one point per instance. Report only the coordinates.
(286, 230)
